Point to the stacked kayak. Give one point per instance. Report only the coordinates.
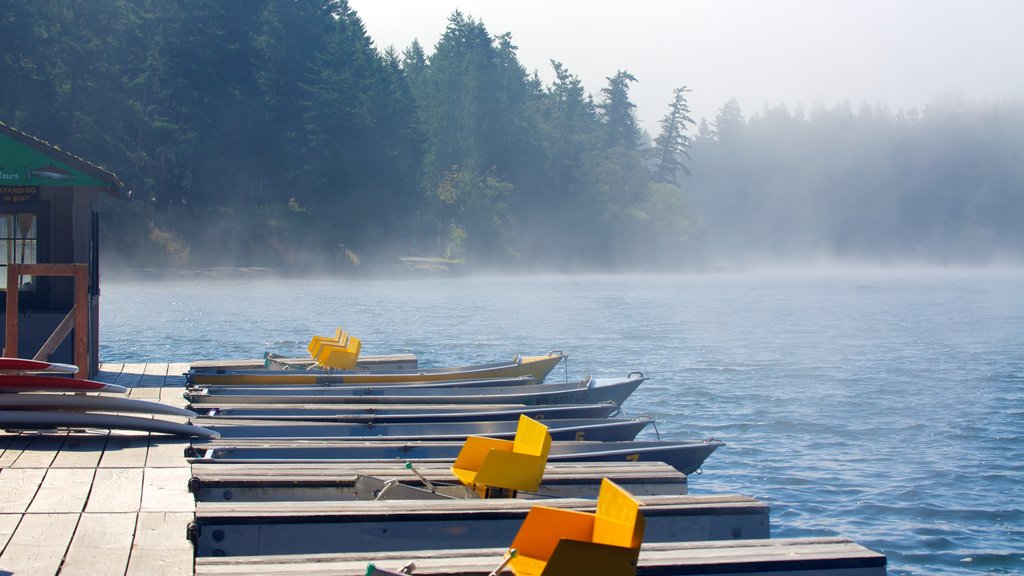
(43, 396)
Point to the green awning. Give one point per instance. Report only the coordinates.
(28, 161)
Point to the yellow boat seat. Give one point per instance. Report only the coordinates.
(555, 542)
(314, 345)
(341, 356)
(517, 464)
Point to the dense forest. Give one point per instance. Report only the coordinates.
(268, 133)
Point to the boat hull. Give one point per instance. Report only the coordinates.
(536, 366)
(591, 390)
(687, 457)
(595, 429)
(396, 413)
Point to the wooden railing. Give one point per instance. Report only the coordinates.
(77, 317)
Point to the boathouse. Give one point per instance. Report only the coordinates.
(49, 251)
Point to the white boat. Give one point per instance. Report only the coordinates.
(387, 413)
(685, 456)
(587, 390)
(536, 366)
(596, 429)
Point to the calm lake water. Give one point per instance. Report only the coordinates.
(883, 407)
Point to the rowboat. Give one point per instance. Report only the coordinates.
(374, 387)
(271, 360)
(537, 366)
(587, 390)
(388, 413)
(596, 429)
(685, 456)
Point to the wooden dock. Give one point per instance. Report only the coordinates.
(96, 504)
(119, 504)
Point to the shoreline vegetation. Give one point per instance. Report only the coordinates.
(276, 135)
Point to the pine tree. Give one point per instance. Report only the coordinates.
(671, 145)
(618, 113)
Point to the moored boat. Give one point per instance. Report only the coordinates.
(685, 456)
(537, 366)
(587, 390)
(386, 413)
(596, 429)
(371, 387)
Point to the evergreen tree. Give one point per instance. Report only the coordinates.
(618, 113)
(671, 145)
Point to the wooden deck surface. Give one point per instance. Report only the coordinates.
(99, 503)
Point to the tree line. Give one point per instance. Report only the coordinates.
(258, 132)
(268, 133)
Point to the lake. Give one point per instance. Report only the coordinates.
(883, 406)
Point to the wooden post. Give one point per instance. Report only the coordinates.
(80, 272)
(11, 339)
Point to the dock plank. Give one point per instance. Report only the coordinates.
(160, 547)
(127, 450)
(115, 490)
(38, 545)
(153, 375)
(8, 524)
(173, 396)
(337, 480)
(109, 372)
(167, 452)
(62, 490)
(19, 487)
(151, 393)
(166, 490)
(101, 545)
(176, 374)
(251, 528)
(80, 451)
(39, 452)
(16, 444)
(131, 375)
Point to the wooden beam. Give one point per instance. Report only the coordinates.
(59, 334)
(80, 272)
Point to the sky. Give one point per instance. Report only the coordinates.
(801, 53)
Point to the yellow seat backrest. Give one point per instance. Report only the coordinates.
(344, 357)
(556, 542)
(512, 465)
(317, 341)
(618, 521)
(532, 438)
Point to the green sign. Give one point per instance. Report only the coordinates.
(22, 165)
